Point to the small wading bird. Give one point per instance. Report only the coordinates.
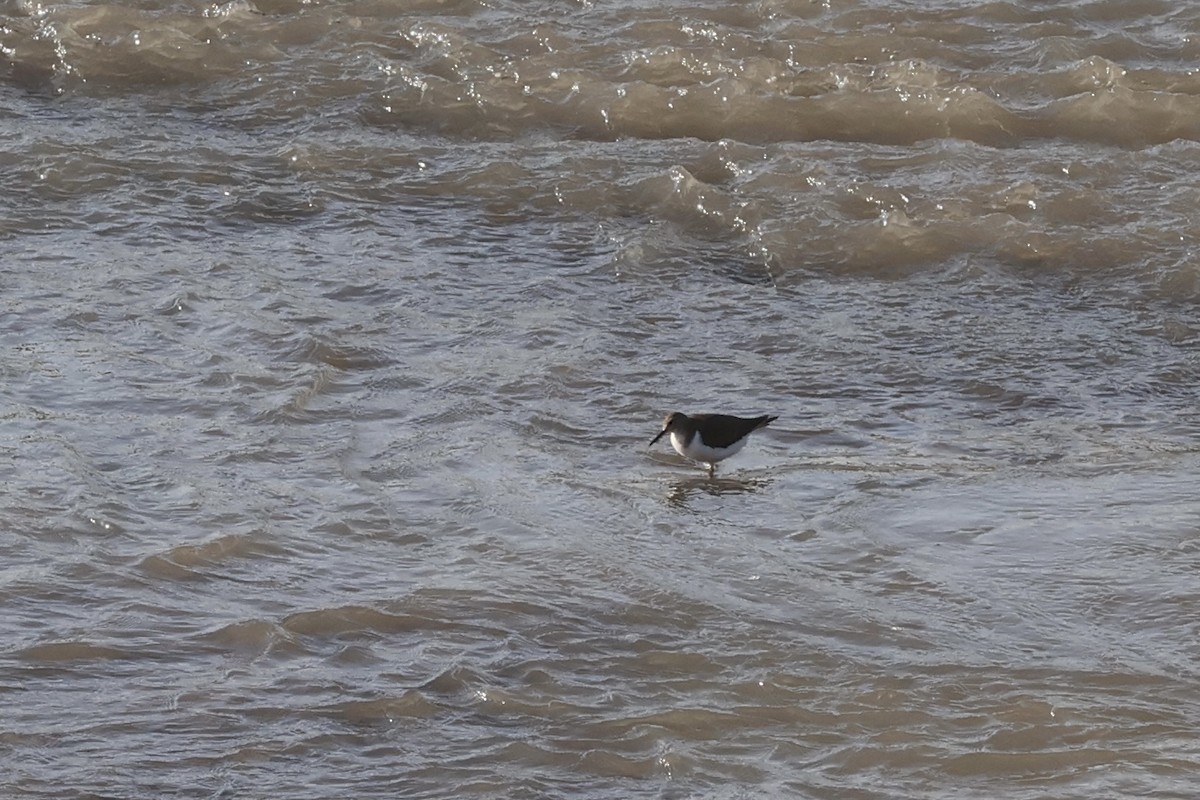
(709, 438)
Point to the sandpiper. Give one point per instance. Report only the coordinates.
(709, 438)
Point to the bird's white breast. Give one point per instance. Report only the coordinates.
(696, 450)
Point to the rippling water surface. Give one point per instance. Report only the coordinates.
(334, 334)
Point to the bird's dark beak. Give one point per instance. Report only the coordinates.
(656, 438)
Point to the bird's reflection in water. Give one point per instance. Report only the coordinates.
(684, 490)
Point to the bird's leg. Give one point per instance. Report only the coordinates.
(712, 468)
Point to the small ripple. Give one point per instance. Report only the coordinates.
(385, 710)
(356, 620)
(60, 652)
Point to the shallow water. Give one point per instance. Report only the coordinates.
(334, 336)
